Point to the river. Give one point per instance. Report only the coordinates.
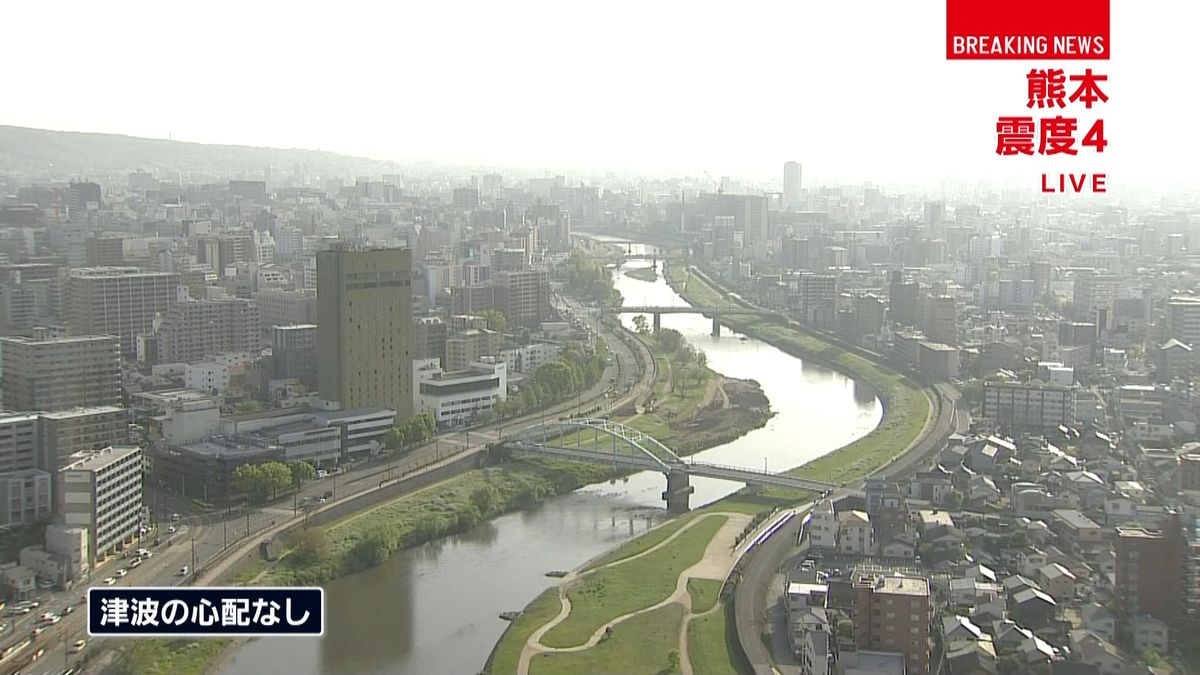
(433, 609)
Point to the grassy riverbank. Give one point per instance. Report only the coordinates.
(905, 406)
(712, 643)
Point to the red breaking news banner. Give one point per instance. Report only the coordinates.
(1027, 29)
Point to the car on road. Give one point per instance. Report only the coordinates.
(135, 562)
(110, 581)
(322, 473)
(120, 574)
(328, 494)
(46, 615)
(183, 571)
(174, 516)
(144, 553)
(171, 529)
(78, 646)
(53, 619)
(68, 609)
(321, 500)
(15, 611)
(36, 632)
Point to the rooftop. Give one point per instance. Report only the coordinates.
(103, 458)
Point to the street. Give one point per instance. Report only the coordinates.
(201, 537)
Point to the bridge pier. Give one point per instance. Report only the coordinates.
(657, 322)
(679, 490)
(716, 331)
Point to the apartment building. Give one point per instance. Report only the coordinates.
(1021, 405)
(60, 373)
(103, 492)
(893, 614)
(193, 330)
(120, 301)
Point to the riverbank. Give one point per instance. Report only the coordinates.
(642, 273)
(706, 642)
(906, 407)
(692, 405)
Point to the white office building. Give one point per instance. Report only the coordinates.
(102, 491)
(454, 398)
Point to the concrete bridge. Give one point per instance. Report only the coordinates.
(601, 440)
(715, 312)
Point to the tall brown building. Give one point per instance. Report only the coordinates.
(1150, 567)
(893, 614)
(364, 328)
(120, 301)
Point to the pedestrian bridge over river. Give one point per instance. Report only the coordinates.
(609, 442)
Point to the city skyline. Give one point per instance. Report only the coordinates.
(656, 101)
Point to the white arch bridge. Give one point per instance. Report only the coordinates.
(605, 441)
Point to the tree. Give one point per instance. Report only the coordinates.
(247, 478)
(673, 660)
(640, 325)
(302, 471)
(273, 477)
(702, 359)
(310, 546)
(496, 320)
(393, 439)
(1152, 659)
(485, 499)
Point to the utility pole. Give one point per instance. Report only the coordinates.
(193, 555)
(247, 523)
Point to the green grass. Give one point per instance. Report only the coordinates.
(508, 651)
(438, 510)
(640, 645)
(646, 541)
(704, 593)
(711, 641)
(605, 594)
(170, 657)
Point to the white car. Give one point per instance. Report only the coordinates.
(120, 574)
(78, 646)
(109, 581)
(171, 529)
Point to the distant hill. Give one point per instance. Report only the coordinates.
(45, 153)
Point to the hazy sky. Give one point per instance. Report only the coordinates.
(850, 89)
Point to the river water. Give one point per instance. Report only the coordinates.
(433, 609)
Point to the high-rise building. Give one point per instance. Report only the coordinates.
(24, 497)
(1183, 320)
(64, 433)
(120, 301)
(104, 251)
(429, 338)
(904, 300)
(364, 328)
(193, 330)
(103, 492)
(523, 297)
(1150, 569)
(942, 325)
(60, 373)
(294, 353)
(466, 198)
(1028, 406)
(791, 185)
(18, 442)
(83, 196)
(278, 307)
(893, 614)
